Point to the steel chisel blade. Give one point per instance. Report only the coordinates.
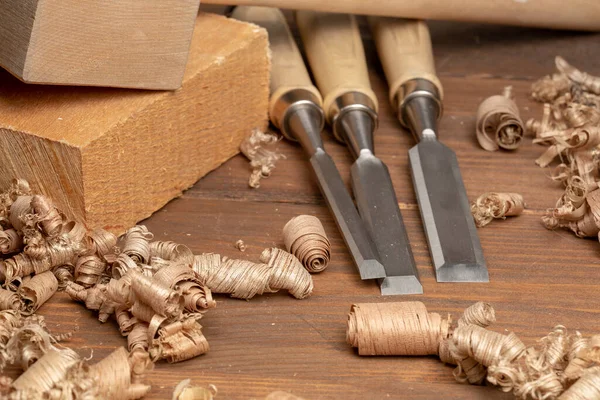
(453, 241)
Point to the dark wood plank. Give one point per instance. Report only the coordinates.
(274, 342)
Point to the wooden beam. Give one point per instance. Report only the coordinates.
(125, 43)
(111, 157)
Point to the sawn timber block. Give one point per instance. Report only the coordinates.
(111, 157)
(124, 43)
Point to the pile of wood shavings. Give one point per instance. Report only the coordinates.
(262, 160)
(570, 126)
(157, 291)
(56, 372)
(561, 365)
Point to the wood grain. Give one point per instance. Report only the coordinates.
(112, 157)
(538, 278)
(84, 42)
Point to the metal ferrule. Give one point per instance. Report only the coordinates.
(415, 88)
(288, 103)
(345, 103)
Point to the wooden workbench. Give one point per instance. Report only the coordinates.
(538, 278)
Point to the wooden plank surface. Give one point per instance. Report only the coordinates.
(538, 278)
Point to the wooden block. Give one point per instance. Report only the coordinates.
(111, 157)
(124, 43)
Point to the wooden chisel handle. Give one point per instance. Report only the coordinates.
(288, 72)
(336, 55)
(554, 14)
(404, 48)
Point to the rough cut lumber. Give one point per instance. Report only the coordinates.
(111, 157)
(124, 43)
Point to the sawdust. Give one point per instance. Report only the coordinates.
(262, 160)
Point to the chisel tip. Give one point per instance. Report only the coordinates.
(462, 273)
(395, 285)
(371, 269)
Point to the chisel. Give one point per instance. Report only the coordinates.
(295, 108)
(404, 47)
(336, 56)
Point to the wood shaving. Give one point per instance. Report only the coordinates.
(499, 124)
(88, 270)
(490, 206)
(570, 126)
(262, 160)
(395, 329)
(561, 365)
(173, 252)
(185, 391)
(114, 377)
(305, 238)
(9, 300)
(240, 245)
(158, 291)
(137, 244)
(277, 270)
(37, 291)
(179, 341)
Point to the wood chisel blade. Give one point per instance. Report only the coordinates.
(404, 47)
(295, 108)
(451, 233)
(334, 49)
(378, 206)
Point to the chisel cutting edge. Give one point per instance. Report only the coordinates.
(404, 47)
(295, 108)
(336, 56)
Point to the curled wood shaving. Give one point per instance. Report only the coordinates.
(179, 276)
(37, 291)
(44, 374)
(123, 265)
(159, 297)
(88, 270)
(137, 244)
(179, 341)
(587, 387)
(185, 391)
(19, 209)
(18, 187)
(395, 329)
(499, 124)
(94, 298)
(47, 216)
(171, 251)
(9, 300)
(587, 82)
(305, 238)
(480, 314)
(240, 245)
(245, 279)
(262, 160)
(287, 273)
(10, 241)
(64, 274)
(492, 205)
(555, 366)
(113, 375)
(100, 242)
